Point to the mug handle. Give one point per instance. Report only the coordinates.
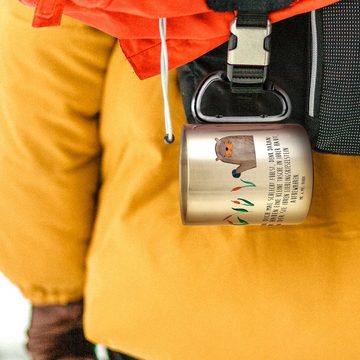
(221, 76)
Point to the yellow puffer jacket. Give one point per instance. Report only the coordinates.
(153, 287)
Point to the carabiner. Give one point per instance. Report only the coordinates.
(222, 77)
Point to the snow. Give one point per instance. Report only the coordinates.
(14, 320)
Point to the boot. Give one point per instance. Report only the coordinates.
(56, 333)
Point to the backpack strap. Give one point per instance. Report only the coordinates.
(248, 6)
(249, 42)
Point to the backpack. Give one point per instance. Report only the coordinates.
(315, 59)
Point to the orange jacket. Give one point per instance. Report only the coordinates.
(192, 28)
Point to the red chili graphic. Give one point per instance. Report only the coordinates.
(236, 188)
(228, 217)
(236, 202)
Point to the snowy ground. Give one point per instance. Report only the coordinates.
(14, 318)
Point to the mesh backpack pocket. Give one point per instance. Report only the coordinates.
(315, 58)
(333, 116)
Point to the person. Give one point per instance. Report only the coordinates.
(89, 211)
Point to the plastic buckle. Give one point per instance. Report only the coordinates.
(248, 57)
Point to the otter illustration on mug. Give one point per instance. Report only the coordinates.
(245, 174)
(239, 150)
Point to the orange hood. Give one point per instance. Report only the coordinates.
(192, 28)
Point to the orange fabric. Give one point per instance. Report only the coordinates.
(193, 29)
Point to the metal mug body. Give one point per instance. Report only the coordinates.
(245, 174)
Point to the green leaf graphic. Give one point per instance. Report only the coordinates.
(241, 210)
(248, 182)
(242, 222)
(247, 202)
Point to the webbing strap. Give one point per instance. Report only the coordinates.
(249, 19)
(249, 6)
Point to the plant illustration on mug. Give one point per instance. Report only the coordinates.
(240, 205)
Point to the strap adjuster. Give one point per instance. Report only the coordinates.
(248, 57)
(48, 12)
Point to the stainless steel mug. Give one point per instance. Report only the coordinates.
(241, 174)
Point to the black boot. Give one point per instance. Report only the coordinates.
(56, 333)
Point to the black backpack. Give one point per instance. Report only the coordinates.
(315, 59)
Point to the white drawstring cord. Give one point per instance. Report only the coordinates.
(169, 137)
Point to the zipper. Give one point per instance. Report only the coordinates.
(314, 63)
